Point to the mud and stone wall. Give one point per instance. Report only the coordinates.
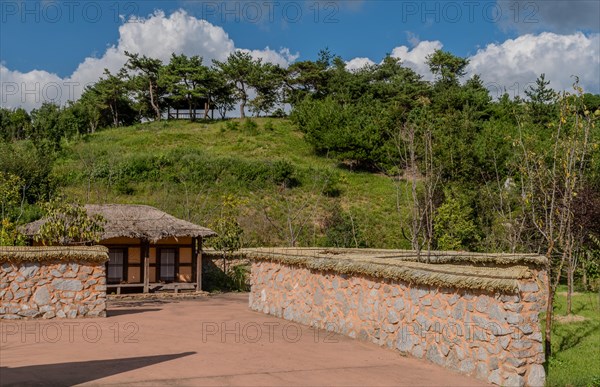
(493, 335)
(38, 282)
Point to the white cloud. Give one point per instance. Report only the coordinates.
(358, 63)
(283, 57)
(416, 58)
(156, 36)
(31, 89)
(516, 63)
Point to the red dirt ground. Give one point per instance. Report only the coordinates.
(214, 341)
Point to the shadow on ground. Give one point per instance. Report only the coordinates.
(120, 312)
(63, 374)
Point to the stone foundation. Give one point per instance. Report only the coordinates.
(53, 288)
(492, 335)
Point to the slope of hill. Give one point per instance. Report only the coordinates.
(281, 191)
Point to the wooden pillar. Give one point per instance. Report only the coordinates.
(146, 250)
(199, 265)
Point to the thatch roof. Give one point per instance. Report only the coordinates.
(98, 254)
(451, 269)
(136, 221)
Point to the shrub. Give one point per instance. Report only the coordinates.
(284, 173)
(250, 126)
(341, 230)
(269, 126)
(10, 235)
(454, 227)
(233, 126)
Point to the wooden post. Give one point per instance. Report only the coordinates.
(146, 266)
(199, 265)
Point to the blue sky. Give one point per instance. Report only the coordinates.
(508, 41)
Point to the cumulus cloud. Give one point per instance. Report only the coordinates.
(157, 36)
(416, 58)
(358, 63)
(283, 57)
(516, 63)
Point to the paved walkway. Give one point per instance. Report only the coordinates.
(213, 341)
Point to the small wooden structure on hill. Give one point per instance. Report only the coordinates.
(180, 109)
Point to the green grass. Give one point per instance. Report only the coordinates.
(186, 168)
(576, 345)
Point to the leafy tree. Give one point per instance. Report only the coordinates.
(107, 101)
(267, 82)
(221, 92)
(10, 192)
(229, 232)
(67, 223)
(33, 165)
(341, 229)
(14, 124)
(89, 113)
(46, 125)
(9, 234)
(552, 177)
(186, 79)
(308, 78)
(240, 70)
(447, 67)
(147, 80)
(454, 225)
(541, 100)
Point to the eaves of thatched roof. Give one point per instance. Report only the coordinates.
(136, 221)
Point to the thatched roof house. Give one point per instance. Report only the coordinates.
(147, 247)
(136, 221)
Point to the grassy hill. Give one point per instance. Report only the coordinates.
(282, 190)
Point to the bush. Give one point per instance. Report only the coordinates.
(341, 230)
(123, 187)
(333, 186)
(269, 126)
(279, 113)
(232, 126)
(250, 126)
(284, 173)
(454, 227)
(10, 235)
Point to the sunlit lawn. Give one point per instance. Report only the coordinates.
(576, 345)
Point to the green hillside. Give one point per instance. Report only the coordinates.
(282, 190)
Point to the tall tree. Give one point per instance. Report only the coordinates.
(148, 73)
(447, 67)
(308, 78)
(542, 100)
(186, 79)
(552, 177)
(46, 127)
(268, 82)
(221, 93)
(109, 95)
(240, 70)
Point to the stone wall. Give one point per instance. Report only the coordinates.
(53, 285)
(492, 335)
